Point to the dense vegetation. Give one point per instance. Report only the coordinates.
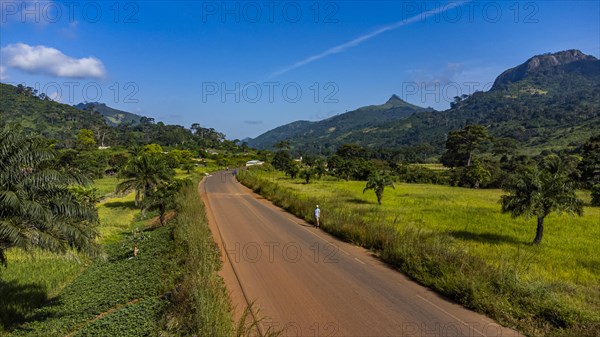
(113, 117)
(61, 122)
(40, 205)
(52, 227)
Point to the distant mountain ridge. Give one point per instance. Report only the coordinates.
(112, 116)
(330, 131)
(549, 101)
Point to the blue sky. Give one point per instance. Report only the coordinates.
(246, 67)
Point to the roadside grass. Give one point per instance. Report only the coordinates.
(456, 241)
(201, 304)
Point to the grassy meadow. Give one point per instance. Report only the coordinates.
(457, 241)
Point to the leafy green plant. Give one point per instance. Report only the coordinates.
(143, 173)
(541, 190)
(378, 183)
(37, 208)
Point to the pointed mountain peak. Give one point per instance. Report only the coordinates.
(395, 100)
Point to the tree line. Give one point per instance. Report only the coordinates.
(534, 185)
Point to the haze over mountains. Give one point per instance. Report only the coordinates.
(549, 101)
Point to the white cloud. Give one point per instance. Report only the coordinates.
(3, 74)
(50, 61)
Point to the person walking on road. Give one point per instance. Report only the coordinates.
(318, 216)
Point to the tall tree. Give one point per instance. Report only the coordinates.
(143, 174)
(307, 174)
(37, 207)
(378, 183)
(293, 169)
(461, 144)
(85, 139)
(590, 161)
(282, 160)
(538, 191)
(476, 174)
(163, 198)
(352, 151)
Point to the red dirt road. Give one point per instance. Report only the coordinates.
(308, 283)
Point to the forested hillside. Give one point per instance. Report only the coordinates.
(551, 101)
(112, 116)
(39, 114)
(328, 134)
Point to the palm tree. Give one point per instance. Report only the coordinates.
(163, 198)
(143, 174)
(378, 183)
(37, 207)
(538, 191)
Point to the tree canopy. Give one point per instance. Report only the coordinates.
(541, 190)
(37, 207)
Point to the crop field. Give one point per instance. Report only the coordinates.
(467, 224)
(41, 284)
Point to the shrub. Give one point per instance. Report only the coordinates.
(596, 195)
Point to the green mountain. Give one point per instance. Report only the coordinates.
(336, 130)
(61, 122)
(21, 105)
(551, 101)
(112, 116)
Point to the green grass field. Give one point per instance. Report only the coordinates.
(468, 225)
(105, 187)
(473, 218)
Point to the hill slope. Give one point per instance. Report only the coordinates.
(550, 101)
(61, 122)
(112, 116)
(555, 104)
(334, 131)
(54, 120)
